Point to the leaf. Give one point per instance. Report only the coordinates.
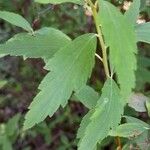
(142, 141)
(104, 117)
(148, 106)
(88, 96)
(130, 119)
(138, 101)
(59, 1)
(143, 61)
(83, 125)
(12, 125)
(45, 43)
(143, 32)
(133, 13)
(142, 73)
(2, 83)
(144, 137)
(128, 130)
(119, 36)
(6, 145)
(70, 68)
(16, 20)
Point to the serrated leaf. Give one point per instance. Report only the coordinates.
(119, 35)
(143, 32)
(59, 1)
(45, 43)
(133, 12)
(103, 117)
(83, 125)
(88, 96)
(70, 69)
(16, 20)
(128, 130)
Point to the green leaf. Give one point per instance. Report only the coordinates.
(133, 13)
(16, 20)
(12, 125)
(142, 73)
(130, 119)
(143, 138)
(70, 68)
(83, 125)
(103, 117)
(128, 130)
(6, 144)
(143, 61)
(143, 32)
(88, 96)
(119, 35)
(142, 141)
(2, 83)
(45, 43)
(59, 1)
(148, 106)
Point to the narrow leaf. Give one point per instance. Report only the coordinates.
(45, 43)
(119, 35)
(16, 20)
(104, 117)
(70, 68)
(133, 13)
(59, 1)
(143, 32)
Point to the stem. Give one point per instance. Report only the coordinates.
(100, 37)
(118, 142)
(99, 57)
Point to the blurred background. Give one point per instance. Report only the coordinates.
(19, 79)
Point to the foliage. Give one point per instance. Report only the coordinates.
(72, 59)
(69, 63)
(103, 114)
(9, 133)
